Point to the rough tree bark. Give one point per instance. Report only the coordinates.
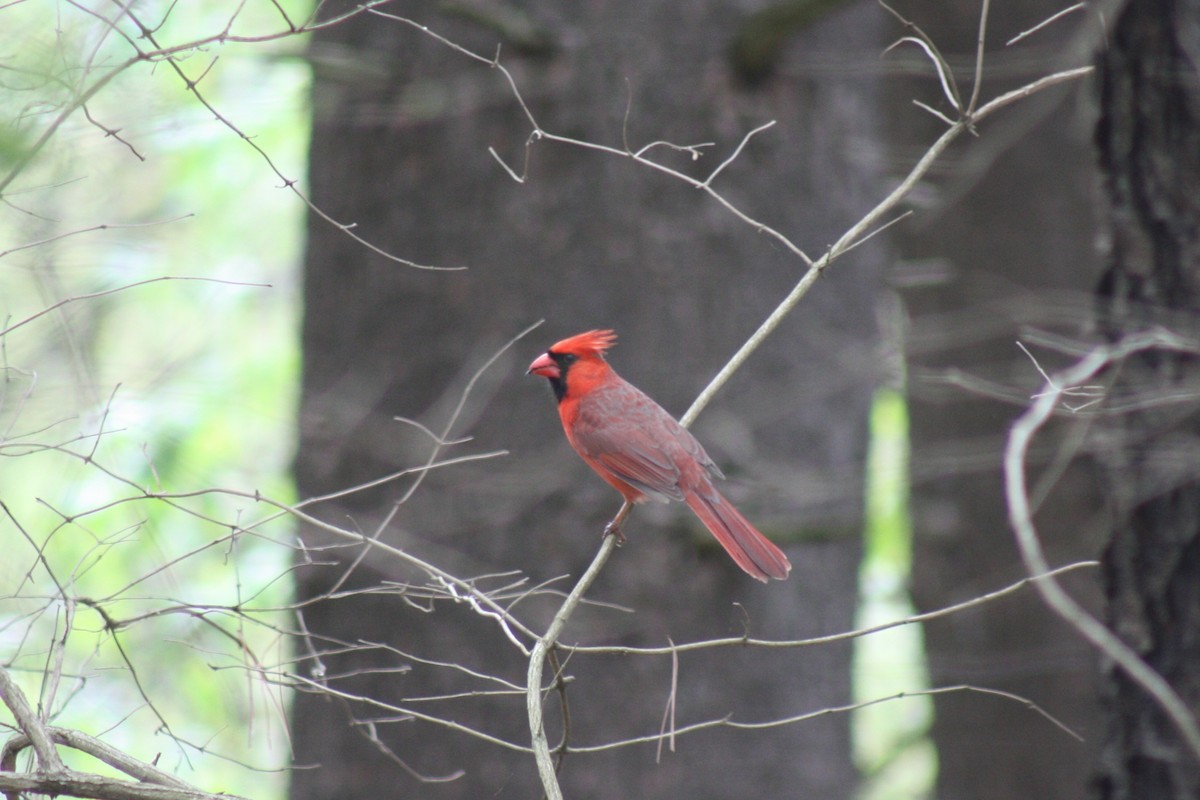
(1149, 144)
(1004, 246)
(401, 130)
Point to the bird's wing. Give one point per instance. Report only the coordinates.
(642, 472)
(634, 438)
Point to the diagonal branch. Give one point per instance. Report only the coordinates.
(12, 696)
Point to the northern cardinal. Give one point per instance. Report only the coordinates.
(635, 445)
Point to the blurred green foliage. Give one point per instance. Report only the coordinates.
(182, 385)
(896, 757)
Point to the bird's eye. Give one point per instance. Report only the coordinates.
(568, 358)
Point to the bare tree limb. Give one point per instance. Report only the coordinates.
(1021, 517)
(70, 783)
(12, 696)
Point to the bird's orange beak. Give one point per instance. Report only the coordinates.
(544, 365)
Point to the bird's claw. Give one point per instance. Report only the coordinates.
(613, 529)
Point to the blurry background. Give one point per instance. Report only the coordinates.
(195, 385)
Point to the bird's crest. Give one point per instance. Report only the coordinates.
(590, 343)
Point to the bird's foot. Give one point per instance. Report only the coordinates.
(614, 529)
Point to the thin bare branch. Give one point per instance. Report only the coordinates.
(750, 641)
(126, 287)
(324, 689)
(669, 724)
(1021, 518)
(736, 152)
(977, 87)
(1055, 17)
(945, 77)
(109, 226)
(1030, 89)
(729, 722)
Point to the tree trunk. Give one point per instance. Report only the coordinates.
(1149, 143)
(1003, 250)
(401, 130)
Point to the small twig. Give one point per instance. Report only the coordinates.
(511, 173)
(106, 292)
(107, 226)
(54, 661)
(302, 683)
(1049, 20)
(668, 719)
(114, 133)
(925, 41)
(945, 77)
(930, 109)
(962, 687)
(736, 152)
(1094, 392)
(978, 84)
(560, 685)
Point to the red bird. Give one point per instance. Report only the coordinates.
(635, 445)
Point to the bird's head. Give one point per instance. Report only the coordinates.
(583, 354)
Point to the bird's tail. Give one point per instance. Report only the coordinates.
(752, 551)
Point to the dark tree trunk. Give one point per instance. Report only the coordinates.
(1149, 143)
(1004, 249)
(401, 130)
